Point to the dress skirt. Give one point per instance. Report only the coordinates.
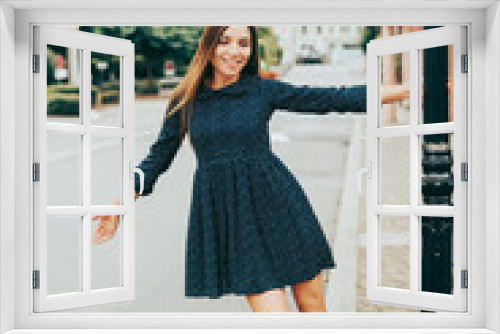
(251, 228)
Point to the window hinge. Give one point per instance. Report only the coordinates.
(465, 63)
(36, 279)
(36, 63)
(465, 279)
(464, 171)
(36, 171)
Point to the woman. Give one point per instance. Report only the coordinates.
(251, 228)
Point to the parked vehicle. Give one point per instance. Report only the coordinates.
(307, 53)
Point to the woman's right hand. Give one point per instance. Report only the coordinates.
(107, 225)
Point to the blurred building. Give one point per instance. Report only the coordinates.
(330, 41)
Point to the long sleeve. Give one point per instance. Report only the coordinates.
(316, 100)
(161, 154)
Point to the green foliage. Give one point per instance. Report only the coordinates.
(263, 32)
(143, 87)
(155, 45)
(63, 104)
(370, 32)
(58, 95)
(270, 53)
(63, 89)
(51, 67)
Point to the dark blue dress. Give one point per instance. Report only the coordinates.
(251, 227)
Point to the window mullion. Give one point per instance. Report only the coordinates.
(86, 167)
(415, 261)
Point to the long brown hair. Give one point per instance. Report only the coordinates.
(201, 69)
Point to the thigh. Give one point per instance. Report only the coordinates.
(269, 301)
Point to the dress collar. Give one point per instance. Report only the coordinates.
(243, 85)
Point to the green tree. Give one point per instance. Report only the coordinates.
(370, 32)
(154, 45)
(270, 52)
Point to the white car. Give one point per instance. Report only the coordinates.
(308, 54)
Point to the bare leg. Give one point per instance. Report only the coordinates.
(269, 301)
(309, 295)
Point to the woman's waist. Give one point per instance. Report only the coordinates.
(251, 153)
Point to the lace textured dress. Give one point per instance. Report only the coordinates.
(251, 227)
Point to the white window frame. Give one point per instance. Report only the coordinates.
(413, 44)
(85, 43)
(483, 211)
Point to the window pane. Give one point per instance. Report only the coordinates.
(64, 254)
(63, 84)
(395, 71)
(436, 67)
(106, 169)
(107, 257)
(437, 254)
(394, 165)
(394, 241)
(106, 109)
(437, 169)
(63, 169)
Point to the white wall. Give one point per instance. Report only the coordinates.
(492, 275)
(7, 125)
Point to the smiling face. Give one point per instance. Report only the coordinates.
(232, 52)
